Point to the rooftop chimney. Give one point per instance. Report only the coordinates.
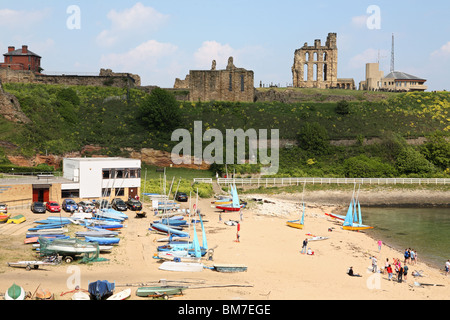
(24, 49)
(11, 48)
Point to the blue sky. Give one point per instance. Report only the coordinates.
(163, 40)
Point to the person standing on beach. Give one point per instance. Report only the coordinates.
(405, 271)
(374, 264)
(379, 245)
(305, 244)
(400, 274)
(447, 267)
(413, 257)
(389, 271)
(406, 255)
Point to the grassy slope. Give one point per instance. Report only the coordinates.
(108, 117)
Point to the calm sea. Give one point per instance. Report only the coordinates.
(425, 229)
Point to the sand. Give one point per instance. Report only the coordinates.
(268, 247)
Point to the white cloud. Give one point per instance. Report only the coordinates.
(213, 50)
(13, 19)
(138, 19)
(368, 56)
(359, 21)
(444, 51)
(149, 60)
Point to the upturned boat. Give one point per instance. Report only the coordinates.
(15, 292)
(158, 291)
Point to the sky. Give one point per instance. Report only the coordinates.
(162, 40)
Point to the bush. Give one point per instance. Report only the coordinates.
(437, 150)
(364, 167)
(410, 161)
(314, 137)
(160, 111)
(342, 107)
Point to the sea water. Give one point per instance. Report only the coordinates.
(426, 230)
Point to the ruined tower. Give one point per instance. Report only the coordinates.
(316, 66)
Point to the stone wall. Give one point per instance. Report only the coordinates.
(107, 78)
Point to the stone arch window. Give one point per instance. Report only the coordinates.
(305, 72)
(315, 72)
(325, 66)
(230, 85)
(324, 56)
(316, 56)
(307, 56)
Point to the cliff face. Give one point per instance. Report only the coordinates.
(147, 156)
(10, 108)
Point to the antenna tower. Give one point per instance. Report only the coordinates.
(392, 55)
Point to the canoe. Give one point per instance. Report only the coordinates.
(158, 291)
(48, 231)
(54, 221)
(336, 216)
(80, 295)
(228, 268)
(177, 256)
(49, 237)
(4, 217)
(46, 227)
(122, 295)
(111, 214)
(44, 294)
(229, 207)
(104, 240)
(181, 266)
(163, 228)
(172, 222)
(317, 238)
(15, 292)
(96, 233)
(16, 219)
(295, 224)
(356, 227)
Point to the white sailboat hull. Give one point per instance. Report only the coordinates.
(181, 266)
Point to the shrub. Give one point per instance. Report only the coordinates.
(314, 137)
(364, 167)
(160, 110)
(410, 161)
(342, 107)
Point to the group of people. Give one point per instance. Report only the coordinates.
(401, 271)
(410, 256)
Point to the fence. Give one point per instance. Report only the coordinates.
(299, 181)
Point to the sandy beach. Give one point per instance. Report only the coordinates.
(268, 247)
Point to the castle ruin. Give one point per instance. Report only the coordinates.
(231, 84)
(316, 66)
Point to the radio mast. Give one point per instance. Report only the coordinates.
(392, 55)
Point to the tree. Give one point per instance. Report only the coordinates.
(411, 161)
(342, 107)
(160, 111)
(437, 150)
(314, 137)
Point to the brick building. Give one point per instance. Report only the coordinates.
(21, 59)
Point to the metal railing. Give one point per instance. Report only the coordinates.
(299, 181)
(203, 180)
